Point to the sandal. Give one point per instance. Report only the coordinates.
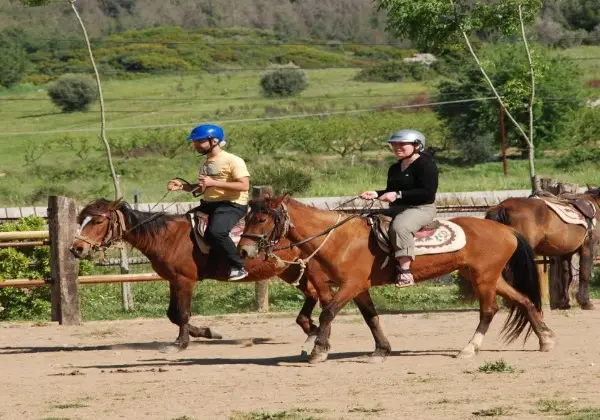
(404, 278)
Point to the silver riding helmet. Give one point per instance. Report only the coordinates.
(409, 136)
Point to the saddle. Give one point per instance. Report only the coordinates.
(569, 199)
(439, 236)
(380, 227)
(199, 223)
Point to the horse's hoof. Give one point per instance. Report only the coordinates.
(465, 354)
(317, 358)
(214, 334)
(172, 348)
(547, 346)
(304, 356)
(587, 306)
(374, 360)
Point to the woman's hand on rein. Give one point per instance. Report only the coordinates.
(389, 197)
(369, 195)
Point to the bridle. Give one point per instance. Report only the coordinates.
(114, 233)
(281, 226)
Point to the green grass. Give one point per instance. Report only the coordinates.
(279, 415)
(494, 412)
(499, 366)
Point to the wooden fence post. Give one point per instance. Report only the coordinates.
(62, 215)
(261, 288)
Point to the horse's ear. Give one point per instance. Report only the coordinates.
(591, 187)
(274, 203)
(115, 204)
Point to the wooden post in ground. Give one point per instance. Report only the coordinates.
(261, 288)
(64, 267)
(543, 271)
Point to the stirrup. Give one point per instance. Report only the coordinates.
(403, 282)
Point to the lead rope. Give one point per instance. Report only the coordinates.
(303, 262)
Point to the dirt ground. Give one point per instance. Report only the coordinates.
(113, 370)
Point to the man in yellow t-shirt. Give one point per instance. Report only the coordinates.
(225, 181)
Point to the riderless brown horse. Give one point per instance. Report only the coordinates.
(167, 241)
(550, 236)
(353, 260)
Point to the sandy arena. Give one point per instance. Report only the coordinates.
(113, 370)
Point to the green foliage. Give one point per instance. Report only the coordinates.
(73, 93)
(499, 366)
(557, 77)
(35, 3)
(436, 25)
(284, 82)
(396, 71)
(476, 150)
(579, 156)
(26, 263)
(581, 14)
(13, 63)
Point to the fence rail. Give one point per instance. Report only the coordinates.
(65, 281)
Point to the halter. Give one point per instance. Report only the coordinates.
(115, 231)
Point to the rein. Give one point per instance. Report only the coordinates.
(118, 223)
(267, 243)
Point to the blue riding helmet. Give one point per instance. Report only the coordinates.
(207, 131)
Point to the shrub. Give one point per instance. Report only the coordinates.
(285, 81)
(13, 63)
(395, 71)
(73, 93)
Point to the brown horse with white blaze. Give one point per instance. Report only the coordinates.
(168, 242)
(352, 259)
(549, 235)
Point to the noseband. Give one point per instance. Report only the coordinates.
(281, 225)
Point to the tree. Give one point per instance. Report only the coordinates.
(560, 93)
(127, 300)
(13, 62)
(444, 25)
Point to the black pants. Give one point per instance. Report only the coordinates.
(222, 217)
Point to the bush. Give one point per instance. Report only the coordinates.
(395, 71)
(31, 263)
(477, 150)
(73, 93)
(285, 81)
(13, 62)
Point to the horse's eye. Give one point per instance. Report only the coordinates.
(98, 222)
(262, 220)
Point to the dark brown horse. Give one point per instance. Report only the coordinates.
(352, 259)
(550, 236)
(167, 241)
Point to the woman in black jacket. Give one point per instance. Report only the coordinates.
(412, 183)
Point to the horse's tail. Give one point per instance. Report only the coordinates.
(523, 270)
(498, 214)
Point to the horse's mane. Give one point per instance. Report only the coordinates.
(156, 221)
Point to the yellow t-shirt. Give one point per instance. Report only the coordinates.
(225, 167)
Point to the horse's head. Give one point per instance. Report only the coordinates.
(101, 223)
(267, 223)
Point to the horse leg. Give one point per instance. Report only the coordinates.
(369, 313)
(586, 264)
(564, 271)
(180, 301)
(535, 317)
(204, 332)
(487, 309)
(322, 346)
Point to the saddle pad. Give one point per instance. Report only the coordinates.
(448, 237)
(568, 214)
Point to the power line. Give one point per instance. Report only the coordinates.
(249, 120)
(246, 98)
